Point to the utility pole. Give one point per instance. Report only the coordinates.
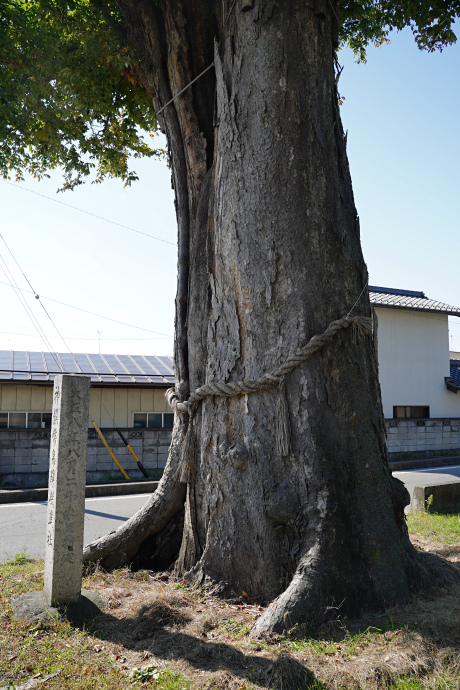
(99, 334)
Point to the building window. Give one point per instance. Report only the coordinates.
(34, 420)
(25, 420)
(17, 420)
(153, 420)
(411, 412)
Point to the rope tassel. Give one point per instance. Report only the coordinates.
(189, 451)
(360, 328)
(283, 425)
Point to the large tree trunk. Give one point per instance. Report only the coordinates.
(269, 255)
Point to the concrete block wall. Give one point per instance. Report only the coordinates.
(423, 437)
(24, 454)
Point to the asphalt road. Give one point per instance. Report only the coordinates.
(23, 524)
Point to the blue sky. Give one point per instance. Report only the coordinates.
(400, 110)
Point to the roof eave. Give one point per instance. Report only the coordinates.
(401, 307)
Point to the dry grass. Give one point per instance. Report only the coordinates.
(199, 641)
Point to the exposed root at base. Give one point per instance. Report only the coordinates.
(160, 517)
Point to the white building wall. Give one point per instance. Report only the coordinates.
(413, 352)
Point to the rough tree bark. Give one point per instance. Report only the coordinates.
(269, 255)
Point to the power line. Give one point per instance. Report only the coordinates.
(100, 316)
(28, 311)
(37, 296)
(56, 328)
(53, 337)
(88, 213)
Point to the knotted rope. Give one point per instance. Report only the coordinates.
(361, 326)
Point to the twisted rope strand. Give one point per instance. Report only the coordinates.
(362, 324)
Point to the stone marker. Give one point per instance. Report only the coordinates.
(66, 512)
(66, 490)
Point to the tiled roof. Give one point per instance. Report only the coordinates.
(408, 299)
(41, 367)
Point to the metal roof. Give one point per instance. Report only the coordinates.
(42, 367)
(408, 299)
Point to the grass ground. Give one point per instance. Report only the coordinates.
(162, 634)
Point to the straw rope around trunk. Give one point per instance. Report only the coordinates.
(360, 326)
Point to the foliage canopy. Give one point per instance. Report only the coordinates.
(68, 96)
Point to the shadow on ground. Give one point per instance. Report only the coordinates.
(148, 634)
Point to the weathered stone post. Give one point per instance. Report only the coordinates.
(66, 492)
(66, 512)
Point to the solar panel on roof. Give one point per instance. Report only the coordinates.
(36, 361)
(164, 367)
(168, 362)
(20, 361)
(144, 364)
(130, 366)
(99, 364)
(39, 377)
(68, 363)
(52, 361)
(153, 367)
(20, 376)
(36, 366)
(84, 363)
(5, 359)
(114, 364)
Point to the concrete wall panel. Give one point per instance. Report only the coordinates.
(25, 464)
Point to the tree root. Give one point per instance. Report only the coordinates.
(305, 601)
(126, 544)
